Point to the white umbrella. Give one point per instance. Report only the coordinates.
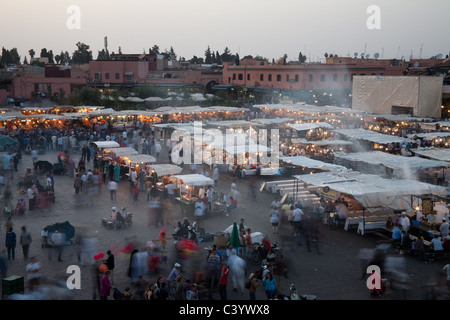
(134, 99)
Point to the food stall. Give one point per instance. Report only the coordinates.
(100, 146)
(138, 161)
(192, 183)
(116, 155)
(430, 207)
(164, 172)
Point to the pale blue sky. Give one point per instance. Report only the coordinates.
(257, 27)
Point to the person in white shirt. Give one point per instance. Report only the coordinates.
(33, 269)
(112, 186)
(436, 243)
(404, 221)
(296, 222)
(157, 149)
(276, 203)
(444, 228)
(170, 191)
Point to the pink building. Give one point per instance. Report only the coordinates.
(50, 80)
(335, 74)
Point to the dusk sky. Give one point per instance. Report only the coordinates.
(249, 27)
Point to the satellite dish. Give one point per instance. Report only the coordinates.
(376, 55)
(416, 64)
(356, 54)
(367, 56)
(439, 56)
(362, 55)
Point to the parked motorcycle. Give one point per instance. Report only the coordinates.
(124, 219)
(295, 296)
(260, 254)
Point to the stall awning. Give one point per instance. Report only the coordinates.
(106, 144)
(311, 163)
(165, 169)
(371, 136)
(195, 180)
(140, 158)
(123, 151)
(371, 190)
(310, 125)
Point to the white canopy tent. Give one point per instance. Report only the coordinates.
(371, 190)
(323, 142)
(403, 167)
(371, 136)
(273, 121)
(311, 163)
(195, 179)
(123, 151)
(165, 169)
(106, 144)
(139, 158)
(310, 126)
(441, 154)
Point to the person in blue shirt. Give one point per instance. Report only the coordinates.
(397, 235)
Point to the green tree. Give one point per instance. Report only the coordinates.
(47, 54)
(218, 58)
(25, 61)
(261, 60)
(82, 54)
(154, 49)
(15, 57)
(226, 56)
(208, 56)
(146, 91)
(102, 55)
(326, 55)
(32, 53)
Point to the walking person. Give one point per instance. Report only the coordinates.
(77, 184)
(105, 286)
(31, 199)
(10, 243)
(25, 241)
(223, 282)
(112, 186)
(33, 270)
(253, 283)
(110, 263)
(274, 219)
(269, 285)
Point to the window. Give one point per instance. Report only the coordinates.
(261, 77)
(106, 75)
(270, 77)
(287, 78)
(296, 78)
(335, 77)
(248, 77)
(117, 76)
(98, 75)
(310, 78)
(240, 76)
(229, 80)
(323, 78)
(234, 76)
(278, 77)
(345, 77)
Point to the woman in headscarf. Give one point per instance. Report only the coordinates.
(117, 172)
